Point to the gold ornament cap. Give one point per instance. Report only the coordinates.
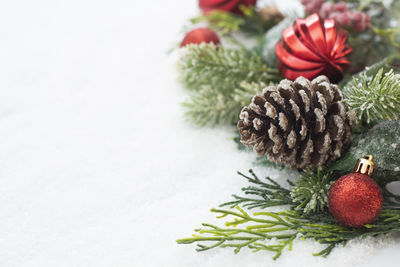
(365, 165)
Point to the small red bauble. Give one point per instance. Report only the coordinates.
(355, 199)
(224, 5)
(200, 35)
(312, 47)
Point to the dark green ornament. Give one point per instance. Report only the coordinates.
(382, 141)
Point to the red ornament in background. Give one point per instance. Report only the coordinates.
(200, 35)
(355, 199)
(312, 47)
(224, 5)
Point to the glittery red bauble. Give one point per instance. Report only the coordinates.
(224, 5)
(312, 47)
(355, 200)
(200, 35)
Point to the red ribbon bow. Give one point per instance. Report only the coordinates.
(311, 47)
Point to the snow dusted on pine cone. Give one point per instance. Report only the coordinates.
(298, 123)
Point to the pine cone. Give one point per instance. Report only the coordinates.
(298, 123)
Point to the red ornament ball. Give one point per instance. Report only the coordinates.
(355, 200)
(225, 5)
(312, 47)
(200, 35)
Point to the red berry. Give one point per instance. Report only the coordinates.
(326, 9)
(343, 19)
(339, 12)
(357, 16)
(200, 35)
(341, 7)
(312, 6)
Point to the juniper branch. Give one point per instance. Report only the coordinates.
(276, 231)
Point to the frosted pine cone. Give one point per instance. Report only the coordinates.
(298, 123)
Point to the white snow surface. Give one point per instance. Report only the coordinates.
(98, 166)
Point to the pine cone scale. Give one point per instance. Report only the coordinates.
(297, 123)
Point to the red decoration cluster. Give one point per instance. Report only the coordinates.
(200, 35)
(340, 12)
(224, 5)
(312, 47)
(355, 200)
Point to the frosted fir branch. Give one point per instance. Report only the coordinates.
(246, 91)
(224, 69)
(221, 81)
(375, 97)
(311, 191)
(210, 106)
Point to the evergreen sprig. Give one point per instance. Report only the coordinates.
(309, 194)
(311, 191)
(261, 194)
(221, 21)
(374, 98)
(276, 231)
(221, 81)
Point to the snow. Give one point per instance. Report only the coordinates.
(98, 166)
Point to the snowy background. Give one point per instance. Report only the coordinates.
(97, 166)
